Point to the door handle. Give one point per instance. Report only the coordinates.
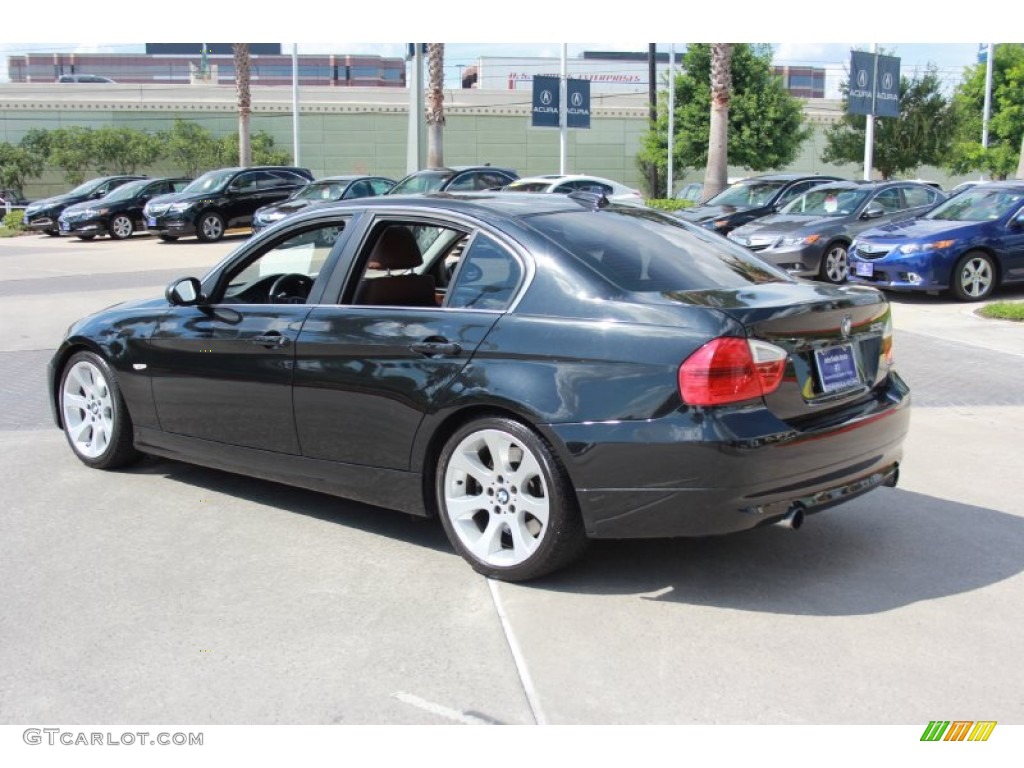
(440, 348)
(270, 340)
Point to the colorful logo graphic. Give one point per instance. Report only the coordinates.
(958, 730)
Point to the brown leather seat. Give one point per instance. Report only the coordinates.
(396, 249)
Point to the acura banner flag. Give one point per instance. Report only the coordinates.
(865, 88)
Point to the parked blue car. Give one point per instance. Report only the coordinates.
(968, 245)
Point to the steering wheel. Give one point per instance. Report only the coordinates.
(290, 288)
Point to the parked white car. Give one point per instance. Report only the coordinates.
(563, 184)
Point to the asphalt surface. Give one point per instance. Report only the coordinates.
(172, 593)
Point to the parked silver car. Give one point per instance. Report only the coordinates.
(811, 236)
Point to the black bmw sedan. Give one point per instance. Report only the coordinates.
(534, 370)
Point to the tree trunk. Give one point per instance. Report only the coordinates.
(241, 52)
(435, 105)
(1020, 163)
(717, 174)
(652, 106)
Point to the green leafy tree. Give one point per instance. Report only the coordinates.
(1006, 126)
(765, 125)
(262, 146)
(191, 147)
(71, 150)
(921, 135)
(124, 150)
(18, 165)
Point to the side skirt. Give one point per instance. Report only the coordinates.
(394, 489)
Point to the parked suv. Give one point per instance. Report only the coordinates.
(217, 200)
(118, 214)
(458, 178)
(750, 199)
(42, 215)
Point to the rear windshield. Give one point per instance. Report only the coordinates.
(641, 250)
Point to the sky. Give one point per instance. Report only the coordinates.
(807, 36)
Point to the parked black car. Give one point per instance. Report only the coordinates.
(119, 214)
(218, 200)
(811, 236)
(458, 178)
(750, 199)
(42, 215)
(329, 188)
(536, 370)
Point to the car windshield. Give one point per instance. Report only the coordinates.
(419, 183)
(747, 194)
(641, 250)
(978, 205)
(328, 190)
(827, 201)
(126, 191)
(87, 187)
(212, 181)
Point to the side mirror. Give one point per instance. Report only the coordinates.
(97, 194)
(873, 211)
(184, 292)
(1017, 222)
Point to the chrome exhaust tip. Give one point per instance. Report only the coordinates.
(793, 519)
(893, 478)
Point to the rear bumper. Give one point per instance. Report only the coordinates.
(703, 473)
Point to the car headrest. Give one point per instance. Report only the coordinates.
(395, 249)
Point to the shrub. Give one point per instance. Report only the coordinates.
(669, 205)
(15, 220)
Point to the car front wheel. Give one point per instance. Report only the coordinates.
(974, 277)
(121, 227)
(95, 418)
(505, 501)
(211, 227)
(835, 263)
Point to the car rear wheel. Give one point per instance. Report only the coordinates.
(835, 263)
(505, 501)
(974, 277)
(95, 418)
(211, 227)
(121, 227)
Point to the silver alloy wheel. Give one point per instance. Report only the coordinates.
(976, 277)
(121, 227)
(212, 227)
(837, 263)
(88, 409)
(496, 497)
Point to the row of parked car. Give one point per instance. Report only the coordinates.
(821, 227)
(897, 235)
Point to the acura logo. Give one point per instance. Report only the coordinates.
(862, 78)
(887, 81)
(545, 97)
(846, 325)
(577, 99)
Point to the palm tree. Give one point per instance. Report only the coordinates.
(435, 105)
(716, 174)
(241, 52)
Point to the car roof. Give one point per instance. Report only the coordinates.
(786, 177)
(350, 177)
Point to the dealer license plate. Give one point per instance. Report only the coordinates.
(65, 227)
(150, 222)
(864, 268)
(837, 368)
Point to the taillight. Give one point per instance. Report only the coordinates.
(729, 370)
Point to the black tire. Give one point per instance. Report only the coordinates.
(121, 227)
(974, 277)
(487, 516)
(96, 421)
(87, 238)
(167, 238)
(52, 232)
(835, 263)
(209, 227)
